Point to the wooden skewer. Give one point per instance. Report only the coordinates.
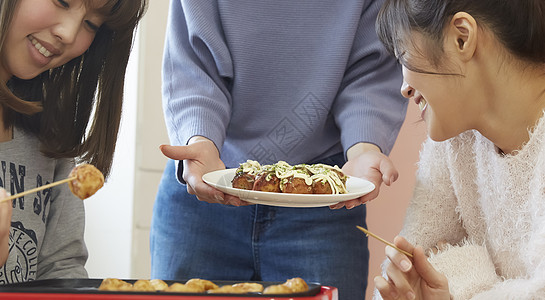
(383, 240)
(43, 187)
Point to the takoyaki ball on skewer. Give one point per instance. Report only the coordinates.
(88, 180)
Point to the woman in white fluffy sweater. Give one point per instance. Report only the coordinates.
(477, 71)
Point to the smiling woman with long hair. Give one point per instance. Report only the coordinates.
(62, 70)
(477, 71)
(88, 87)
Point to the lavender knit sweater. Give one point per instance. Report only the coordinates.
(279, 80)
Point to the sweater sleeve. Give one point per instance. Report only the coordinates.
(472, 275)
(468, 268)
(197, 69)
(63, 253)
(531, 286)
(369, 107)
(431, 216)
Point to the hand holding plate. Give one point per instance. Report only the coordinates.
(200, 156)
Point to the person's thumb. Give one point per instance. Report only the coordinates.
(3, 193)
(389, 171)
(421, 264)
(178, 152)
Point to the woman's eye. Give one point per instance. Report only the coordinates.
(92, 26)
(63, 3)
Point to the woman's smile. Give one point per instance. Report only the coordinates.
(42, 52)
(40, 47)
(422, 105)
(48, 34)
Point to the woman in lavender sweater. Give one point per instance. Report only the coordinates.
(301, 81)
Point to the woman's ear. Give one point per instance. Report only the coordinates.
(461, 36)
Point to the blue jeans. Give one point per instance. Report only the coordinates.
(195, 239)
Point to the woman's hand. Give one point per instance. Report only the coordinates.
(416, 279)
(199, 157)
(367, 162)
(5, 225)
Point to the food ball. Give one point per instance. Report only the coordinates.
(201, 284)
(143, 285)
(297, 285)
(321, 187)
(184, 288)
(245, 175)
(295, 185)
(228, 289)
(114, 284)
(249, 287)
(87, 182)
(278, 289)
(267, 182)
(158, 284)
(243, 181)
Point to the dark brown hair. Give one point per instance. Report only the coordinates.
(75, 109)
(518, 24)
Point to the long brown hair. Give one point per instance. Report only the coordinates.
(75, 109)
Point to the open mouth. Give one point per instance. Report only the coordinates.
(39, 47)
(422, 104)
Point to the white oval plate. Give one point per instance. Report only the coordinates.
(221, 180)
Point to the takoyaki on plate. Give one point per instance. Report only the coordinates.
(221, 180)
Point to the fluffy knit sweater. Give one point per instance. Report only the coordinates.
(490, 207)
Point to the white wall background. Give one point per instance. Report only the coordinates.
(118, 216)
(108, 231)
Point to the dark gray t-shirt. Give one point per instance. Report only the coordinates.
(46, 236)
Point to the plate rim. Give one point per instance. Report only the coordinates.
(285, 200)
